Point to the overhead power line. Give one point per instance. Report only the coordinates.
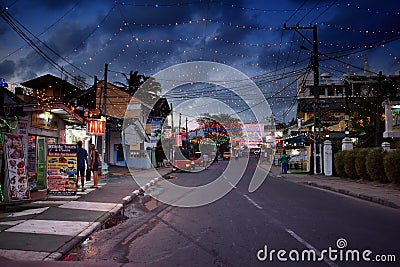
(23, 32)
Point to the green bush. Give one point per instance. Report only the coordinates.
(349, 164)
(360, 163)
(339, 163)
(391, 163)
(374, 165)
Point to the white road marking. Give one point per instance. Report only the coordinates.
(70, 198)
(69, 228)
(232, 185)
(253, 202)
(95, 206)
(50, 202)
(28, 212)
(12, 222)
(23, 255)
(309, 246)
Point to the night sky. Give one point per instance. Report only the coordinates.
(79, 37)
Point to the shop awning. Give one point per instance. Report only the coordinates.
(63, 112)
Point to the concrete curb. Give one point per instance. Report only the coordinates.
(98, 224)
(376, 200)
(141, 190)
(119, 208)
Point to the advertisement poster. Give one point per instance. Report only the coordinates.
(31, 165)
(16, 167)
(61, 169)
(396, 119)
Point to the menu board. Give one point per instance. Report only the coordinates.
(16, 167)
(1, 163)
(31, 165)
(61, 169)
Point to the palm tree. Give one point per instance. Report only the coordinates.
(133, 82)
(150, 87)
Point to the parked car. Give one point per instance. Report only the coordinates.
(198, 159)
(183, 160)
(226, 156)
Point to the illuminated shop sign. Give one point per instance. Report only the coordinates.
(44, 119)
(95, 127)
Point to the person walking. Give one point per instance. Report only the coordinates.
(82, 157)
(94, 166)
(284, 161)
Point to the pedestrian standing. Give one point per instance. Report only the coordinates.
(94, 166)
(82, 156)
(205, 160)
(284, 161)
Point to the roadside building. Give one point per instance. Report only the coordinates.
(38, 114)
(332, 114)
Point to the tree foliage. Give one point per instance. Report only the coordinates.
(368, 109)
(219, 128)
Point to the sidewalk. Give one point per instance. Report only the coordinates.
(384, 194)
(50, 226)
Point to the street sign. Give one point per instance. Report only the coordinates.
(95, 127)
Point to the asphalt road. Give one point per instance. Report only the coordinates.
(239, 228)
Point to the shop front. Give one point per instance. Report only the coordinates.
(26, 150)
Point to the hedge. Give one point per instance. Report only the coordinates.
(339, 163)
(360, 160)
(391, 163)
(374, 165)
(349, 164)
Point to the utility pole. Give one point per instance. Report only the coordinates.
(378, 111)
(173, 135)
(179, 129)
(95, 91)
(180, 117)
(104, 112)
(2, 89)
(315, 160)
(187, 134)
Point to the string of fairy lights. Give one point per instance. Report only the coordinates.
(216, 52)
(236, 25)
(133, 43)
(216, 38)
(261, 10)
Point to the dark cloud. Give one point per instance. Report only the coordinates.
(247, 35)
(6, 68)
(3, 29)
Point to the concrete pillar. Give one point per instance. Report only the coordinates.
(347, 144)
(328, 158)
(386, 146)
